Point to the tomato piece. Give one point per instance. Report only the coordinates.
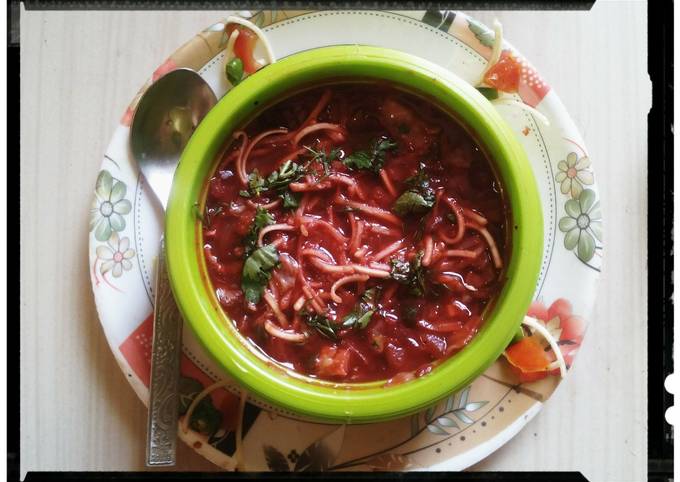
(528, 359)
(504, 75)
(395, 356)
(332, 362)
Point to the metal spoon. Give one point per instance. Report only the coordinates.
(165, 119)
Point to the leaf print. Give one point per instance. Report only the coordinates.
(460, 415)
(471, 407)
(464, 397)
(224, 39)
(447, 422)
(415, 424)
(449, 402)
(216, 27)
(322, 453)
(391, 462)
(429, 413)
(436, 429)
(483, 34)
(258, 18)
(276, 461)
(440, 19)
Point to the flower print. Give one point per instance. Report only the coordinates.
(116, 256)
(582, 225)
(109, 206)
(531, 358)
(574, 174)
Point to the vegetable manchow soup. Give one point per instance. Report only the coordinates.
(355, 232)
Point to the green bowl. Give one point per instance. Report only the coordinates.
(350, 402)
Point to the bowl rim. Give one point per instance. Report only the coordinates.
(341, 402)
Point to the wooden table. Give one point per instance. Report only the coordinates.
(79, 70)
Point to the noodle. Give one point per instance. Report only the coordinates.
(257, 139)
(273, 227)
(458, 212)
(473, 216)
(345, 280)
(495, 255)
(315, 127)
(239, 160)
(314, 114)
(276, 309)
(388, 183)
(287, 335)
(388, 250)
(427, 255)
(375, 212)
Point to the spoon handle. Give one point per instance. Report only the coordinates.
(161, 440)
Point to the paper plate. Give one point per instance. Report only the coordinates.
(126, 225)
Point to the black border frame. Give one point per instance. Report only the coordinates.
(660, 257)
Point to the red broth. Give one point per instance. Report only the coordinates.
(382, 238)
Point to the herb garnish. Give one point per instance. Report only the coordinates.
(206, 218)
(291, 200)
(419, 196)
(373, 159)
(361, 316)
(322, 324)
(410, 274)
(234, 71)
(257, 271)
(256, 185)
(325, 158)
(278, 182)
(261, 219)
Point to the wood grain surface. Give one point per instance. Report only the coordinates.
(80, 69)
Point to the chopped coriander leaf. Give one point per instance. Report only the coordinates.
(197, 212)
(256, 183)
(323, 325)
(411, 203)
(410, 274)
(410, 315)
(401, 271)
(373, 159)
(284, 175)
(323, 157)
(361, 316)
(419, 196)
(291, 200)
(234, 71)
(261, 219)
(257, 271)
(206, 218)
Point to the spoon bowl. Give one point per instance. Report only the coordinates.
(165, 119)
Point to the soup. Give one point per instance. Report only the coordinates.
(355, 232)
